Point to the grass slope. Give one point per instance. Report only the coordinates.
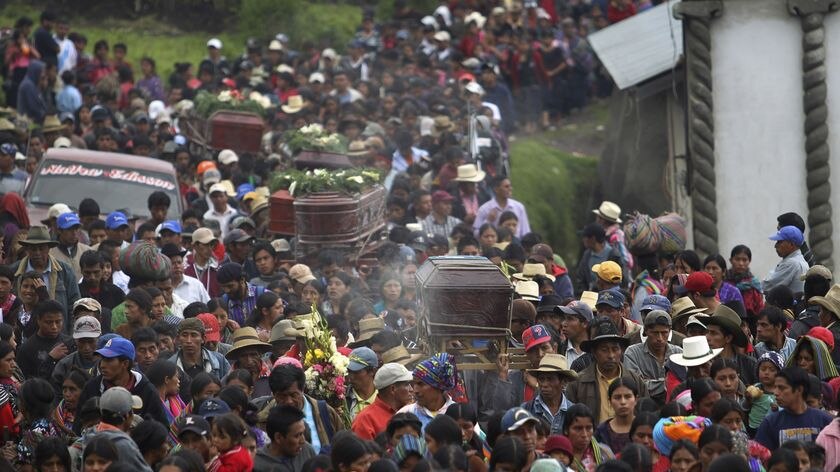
(556, 187)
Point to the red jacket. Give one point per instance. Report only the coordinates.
(237, 459)
(615, 14)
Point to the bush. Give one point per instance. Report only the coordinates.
(556, 188)
(302, 21)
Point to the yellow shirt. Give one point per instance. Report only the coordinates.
(604, 382)
(362, 403)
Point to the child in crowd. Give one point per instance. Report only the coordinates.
(760, 398)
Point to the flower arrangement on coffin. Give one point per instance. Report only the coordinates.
(314, 138)
(348, 181)
(207, 103)
(324, 367)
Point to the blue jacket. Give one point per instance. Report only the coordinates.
(30, 99)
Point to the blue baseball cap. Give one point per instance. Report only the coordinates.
(213, 407)
(68, 220)
(117, 347)
(612, 298)
(789, 233)
(171, 225)
(362, 358)
(242, 190)
(115, 219)
(8, 149)
(656, 302)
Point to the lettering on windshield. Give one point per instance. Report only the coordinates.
(115, 174)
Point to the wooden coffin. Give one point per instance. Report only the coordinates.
(463, 296)
(322, 160)
(236, 130)
(281, 213)
(332, 218)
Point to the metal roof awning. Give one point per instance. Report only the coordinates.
(640, 47)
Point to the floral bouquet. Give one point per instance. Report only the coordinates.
(207, 103)
(324, 367)
(314, 138)
(348, 181)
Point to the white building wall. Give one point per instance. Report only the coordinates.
(759, 142)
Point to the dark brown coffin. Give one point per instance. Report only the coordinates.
(281, 213)
(240, 131)
(460, 295)
(322, 160)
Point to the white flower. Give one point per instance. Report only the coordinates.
(314, 128)
(370, 174)
(292, 188)
(264, 101)
(320, 172)
(356, 178)
(225, 96)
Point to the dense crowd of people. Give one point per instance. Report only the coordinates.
(197, 341)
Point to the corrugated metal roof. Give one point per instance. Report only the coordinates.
(641, 46)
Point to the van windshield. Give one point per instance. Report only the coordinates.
(113, 188)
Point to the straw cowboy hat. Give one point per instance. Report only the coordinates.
(293, 105)
(245, 338)
(696, 351)
(400, 355)
(470, 173)
(529, 271)
(609, 211)
(442, 124)
(38, 235)
(527, 290)
(52, 124)
(357, 149)
(683, 308)
(726, 318)
(590, 299)
(554, 364)
(367, 329)
(831, 300)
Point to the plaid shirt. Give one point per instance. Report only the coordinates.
(238, 310)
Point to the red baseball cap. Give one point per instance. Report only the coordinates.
(211, 327)
(534, 336)
(699, 281)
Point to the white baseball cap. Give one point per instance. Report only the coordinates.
(389, 374)
(228, 157)
(317, 77)
(475, 87)
(214, 43)
(217, 187)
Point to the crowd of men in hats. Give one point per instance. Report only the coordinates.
(179, 344)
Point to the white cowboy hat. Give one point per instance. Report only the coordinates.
(293, 105)
(609, 211)
(470, 173)
(696, 351)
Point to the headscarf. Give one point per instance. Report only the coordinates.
(773, 357)
(409, 444)
(12, 204)
(437, 371)
(824, 366)
(668, 430)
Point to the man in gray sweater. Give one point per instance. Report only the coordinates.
(115, 406)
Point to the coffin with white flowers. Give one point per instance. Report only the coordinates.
(322, 220)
